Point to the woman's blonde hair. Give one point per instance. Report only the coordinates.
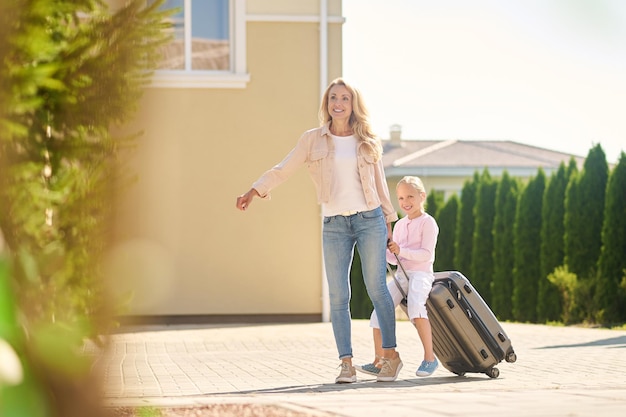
(359, 119)
(414, 182)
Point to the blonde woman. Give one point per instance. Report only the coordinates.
(344, 159)
(414, 241)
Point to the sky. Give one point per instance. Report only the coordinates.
(548, 73)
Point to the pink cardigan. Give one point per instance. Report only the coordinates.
(417, 239)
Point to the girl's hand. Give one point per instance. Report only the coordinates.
(393, 247)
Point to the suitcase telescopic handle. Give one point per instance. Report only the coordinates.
(404, 295)
(401, 267)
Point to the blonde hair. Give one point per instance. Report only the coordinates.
(359, 119)
(414, 182)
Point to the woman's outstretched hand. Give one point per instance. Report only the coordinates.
(244, 200)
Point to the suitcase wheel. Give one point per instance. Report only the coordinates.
(493, 372)
(511, 357)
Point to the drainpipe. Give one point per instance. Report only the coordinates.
(323, 45)
(323, 85)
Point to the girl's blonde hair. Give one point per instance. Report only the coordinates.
(414, 182)
(359, 119)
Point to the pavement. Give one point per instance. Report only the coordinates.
(560, 371)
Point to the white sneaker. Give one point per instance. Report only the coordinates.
(347, 374)
(390, 370)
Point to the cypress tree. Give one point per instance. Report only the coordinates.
(611, 290)
(504, 249)
(573, 247)
(584, 213)
(434, 203)
(465, 227)
(527, 237)
(551, 255)
(444, 253)
(572, 169)
(481, 269)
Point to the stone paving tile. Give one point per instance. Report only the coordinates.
(560, 371)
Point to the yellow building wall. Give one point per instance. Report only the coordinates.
(182, 248)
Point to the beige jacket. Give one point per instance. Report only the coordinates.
(316, 149)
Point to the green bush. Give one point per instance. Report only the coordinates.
(567, 283)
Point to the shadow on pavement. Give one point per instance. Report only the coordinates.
(361, 384)
(618, 342)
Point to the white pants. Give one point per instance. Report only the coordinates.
(417, 290)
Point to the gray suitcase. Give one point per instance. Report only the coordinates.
(467, 336)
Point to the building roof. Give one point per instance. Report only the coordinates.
(464, 157)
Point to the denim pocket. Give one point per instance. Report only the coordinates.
(372, 214)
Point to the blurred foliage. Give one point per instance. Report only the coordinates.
(71, 72)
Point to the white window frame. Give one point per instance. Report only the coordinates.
(237, 77)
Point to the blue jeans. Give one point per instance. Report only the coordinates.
(368, 231)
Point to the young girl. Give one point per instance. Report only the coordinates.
(414, 241)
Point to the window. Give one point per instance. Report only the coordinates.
(208, 46)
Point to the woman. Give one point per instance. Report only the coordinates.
(344, 159)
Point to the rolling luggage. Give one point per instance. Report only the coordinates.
(467, 336)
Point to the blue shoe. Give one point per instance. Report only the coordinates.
(369, 368)
(427, 368)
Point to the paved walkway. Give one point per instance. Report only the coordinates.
(560, 371)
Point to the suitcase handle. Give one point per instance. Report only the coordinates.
(404, 295)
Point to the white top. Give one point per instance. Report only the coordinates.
(346, 191)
